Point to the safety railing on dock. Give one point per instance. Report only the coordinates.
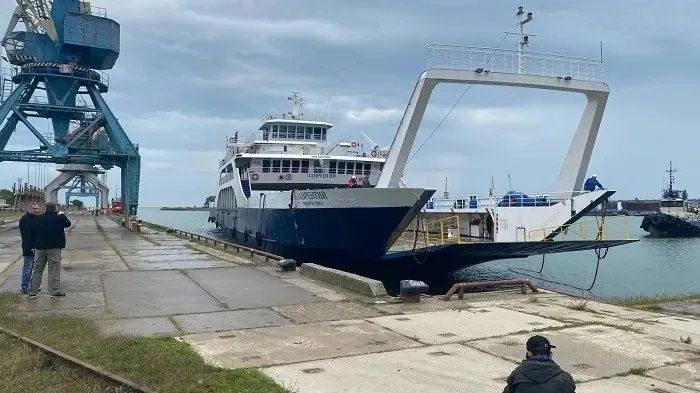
(216, 242)
(471, 58)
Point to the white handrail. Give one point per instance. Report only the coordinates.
(506, 61)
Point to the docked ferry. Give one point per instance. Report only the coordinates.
(677, 217)
(288, 191)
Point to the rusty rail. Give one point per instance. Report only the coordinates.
(239, 248)
(461, 287)
(120, 381)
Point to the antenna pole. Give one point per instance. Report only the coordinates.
(523, 40)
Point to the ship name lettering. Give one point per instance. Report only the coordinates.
(322, 175)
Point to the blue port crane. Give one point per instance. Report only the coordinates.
(58, 51)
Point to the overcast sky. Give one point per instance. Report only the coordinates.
(192, 73)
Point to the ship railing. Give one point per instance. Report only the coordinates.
(515, 199)
(596, 229)
(306, 150)
(480, 59)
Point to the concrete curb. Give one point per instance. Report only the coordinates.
(353, 282)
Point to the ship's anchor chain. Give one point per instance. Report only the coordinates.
(599, 253)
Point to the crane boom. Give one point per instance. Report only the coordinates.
(36, 15)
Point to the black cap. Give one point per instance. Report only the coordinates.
(538, 344)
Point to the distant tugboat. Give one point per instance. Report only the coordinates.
(676, 217)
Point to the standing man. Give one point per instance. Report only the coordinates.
(27, 228)
(538, 373)
(50, 240)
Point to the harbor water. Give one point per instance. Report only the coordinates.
(652, 266)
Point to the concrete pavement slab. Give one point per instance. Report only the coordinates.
(93, 313)
(295, 343)
(73, 300)
(155, 293)
(604, 308)
(440, 327)
(629, 384)
(228, 320)
(673, 328)
(686, 374)
(176, 264)
(326, 311)
(436, 369)
(183, 256)
(591, 352)
(564, 313)
(243, 287)
(160, 326)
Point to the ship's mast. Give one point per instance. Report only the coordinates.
(670, 172)
(523, 40)
(297, 104)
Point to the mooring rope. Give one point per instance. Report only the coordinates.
(599, 256)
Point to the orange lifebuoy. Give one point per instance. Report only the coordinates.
(354, 144)
(374, 153)
(254, 176)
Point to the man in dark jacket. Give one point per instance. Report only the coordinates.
(592, 183)
(27, 229)
(50, 240)
(538, 373)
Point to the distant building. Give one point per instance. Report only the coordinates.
(4, 205)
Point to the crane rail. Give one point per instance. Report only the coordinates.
(52, 352)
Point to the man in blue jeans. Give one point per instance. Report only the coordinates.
(27, 228)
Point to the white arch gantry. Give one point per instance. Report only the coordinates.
(483, 66)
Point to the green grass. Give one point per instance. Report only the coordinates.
(652, 302)
(641, 371)
(22, 370)
(579, 305)
(162, 364)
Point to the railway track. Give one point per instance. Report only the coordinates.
(123, 384)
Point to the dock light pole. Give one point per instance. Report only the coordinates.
(523, 39)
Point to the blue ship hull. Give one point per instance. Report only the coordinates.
(332, 236)
(666, 225)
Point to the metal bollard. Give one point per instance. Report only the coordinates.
(287, 265)
(410, 290)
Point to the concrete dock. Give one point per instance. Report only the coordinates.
(312, 337)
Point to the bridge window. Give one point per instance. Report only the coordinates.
(368, 169)
(285, 166)
(275, 134)
(332, 167)
(266, 166)
(323, 134)
(295, 166)
(304, 166)
(317, 133)
(308, 134)
(341, 168)
(276, 166)
(283, 132)
(358, 168)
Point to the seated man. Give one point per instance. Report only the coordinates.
(592, 183)
(538, 373)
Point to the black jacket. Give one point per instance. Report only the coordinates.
(27, 228)
(50, 231)
(535, 376)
